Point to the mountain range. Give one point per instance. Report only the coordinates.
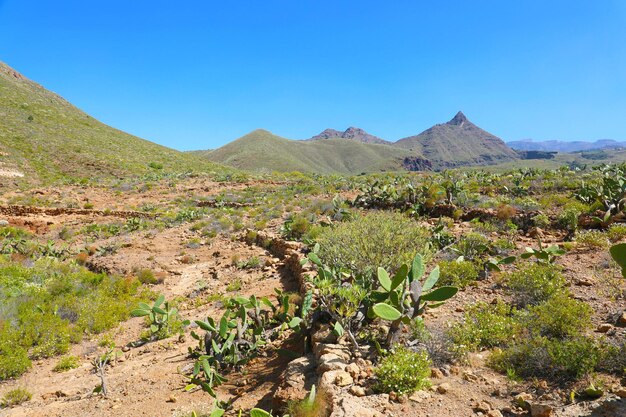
(456, 143)
(45, 138)
(565, 146)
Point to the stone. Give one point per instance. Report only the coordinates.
(443, 388)
(522, 400)
(436, 373)
(323, 335)
(172, 399)
(355, 407)
(330, 362)
(419, 396)
(541, 410)
(620, 392)
(343, 379)
(469, 376)
(295, 381)
(354, 370)
(621, 320)
(321, 349)
(494, 413)
(4, 223)
(357, 391)
(483, 407)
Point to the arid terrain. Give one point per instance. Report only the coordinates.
(198, 241)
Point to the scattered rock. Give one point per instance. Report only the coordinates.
(436, 373)
(468, 376)
(354, 370)
(330, 362)
(584, 282)
(494, 413)
(172, 399)
(419, 396)
(483, 407)
(620, 392)
(295, 380)
(355, 407)
(541, 410)
(357, 391)
(4, 223)
(443, 388)
(343, 379)
(522, 399)
(604, 327)
(621, 320)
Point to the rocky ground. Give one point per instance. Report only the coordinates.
(149, 380)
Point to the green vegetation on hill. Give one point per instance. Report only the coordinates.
(261, 150)
(47, 139)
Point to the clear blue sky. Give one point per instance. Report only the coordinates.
(197, 74)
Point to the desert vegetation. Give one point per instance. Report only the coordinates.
(391, 289)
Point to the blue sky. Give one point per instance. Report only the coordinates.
(197, 74)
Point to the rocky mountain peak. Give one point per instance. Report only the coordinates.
(458, 120)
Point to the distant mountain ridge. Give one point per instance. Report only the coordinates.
(351, 133)
(565, 146)
(456, 143)
(261, 150)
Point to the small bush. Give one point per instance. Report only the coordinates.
(535, 283)
(505, 212)
(472, 246)
(458, 274)
(377, 239)
(592, 239)
(14, 359)
(616, 232)
(146, 276)
(15, 397)
(542, 221)
(66, 363)
(485, 326)
(403, 371)
(554, 359)
(559, 317)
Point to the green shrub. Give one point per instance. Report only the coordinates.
(559, 317)
(485, 326)
(554, 359)
(457, 273)
(616, 232)
(472, 246)
(14, 359)
(146, 276)
(52, 304)
(592, 239)
(66, 363)
(377, 239)
(542, 221)
(16, 396)
(535, 283)
(403, 371)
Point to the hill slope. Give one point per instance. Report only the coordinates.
(457, 143)
(45, 138)
(351, 133)
(262, 150)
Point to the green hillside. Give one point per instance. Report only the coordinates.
(261, 150)
(45, 138)
(459, 142)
